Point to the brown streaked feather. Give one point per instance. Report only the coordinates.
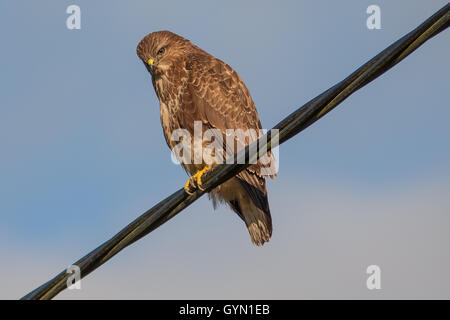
(256, 189)
(222, 101)
(217, 95)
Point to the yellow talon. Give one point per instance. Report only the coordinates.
(197, 177)
(187, 187)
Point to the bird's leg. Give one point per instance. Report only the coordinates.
(195, 181)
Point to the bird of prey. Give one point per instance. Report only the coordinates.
(192, 85)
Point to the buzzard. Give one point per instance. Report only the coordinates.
(193, 86)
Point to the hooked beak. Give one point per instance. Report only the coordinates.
(150, 65)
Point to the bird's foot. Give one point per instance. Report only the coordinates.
(195, 182)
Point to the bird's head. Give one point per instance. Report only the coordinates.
(160, 50)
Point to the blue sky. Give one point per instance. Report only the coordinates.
(82, 152)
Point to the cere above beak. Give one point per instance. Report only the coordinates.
(150, 65)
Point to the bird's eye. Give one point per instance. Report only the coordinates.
(161, 51)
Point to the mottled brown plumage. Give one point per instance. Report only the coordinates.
(192, 85)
